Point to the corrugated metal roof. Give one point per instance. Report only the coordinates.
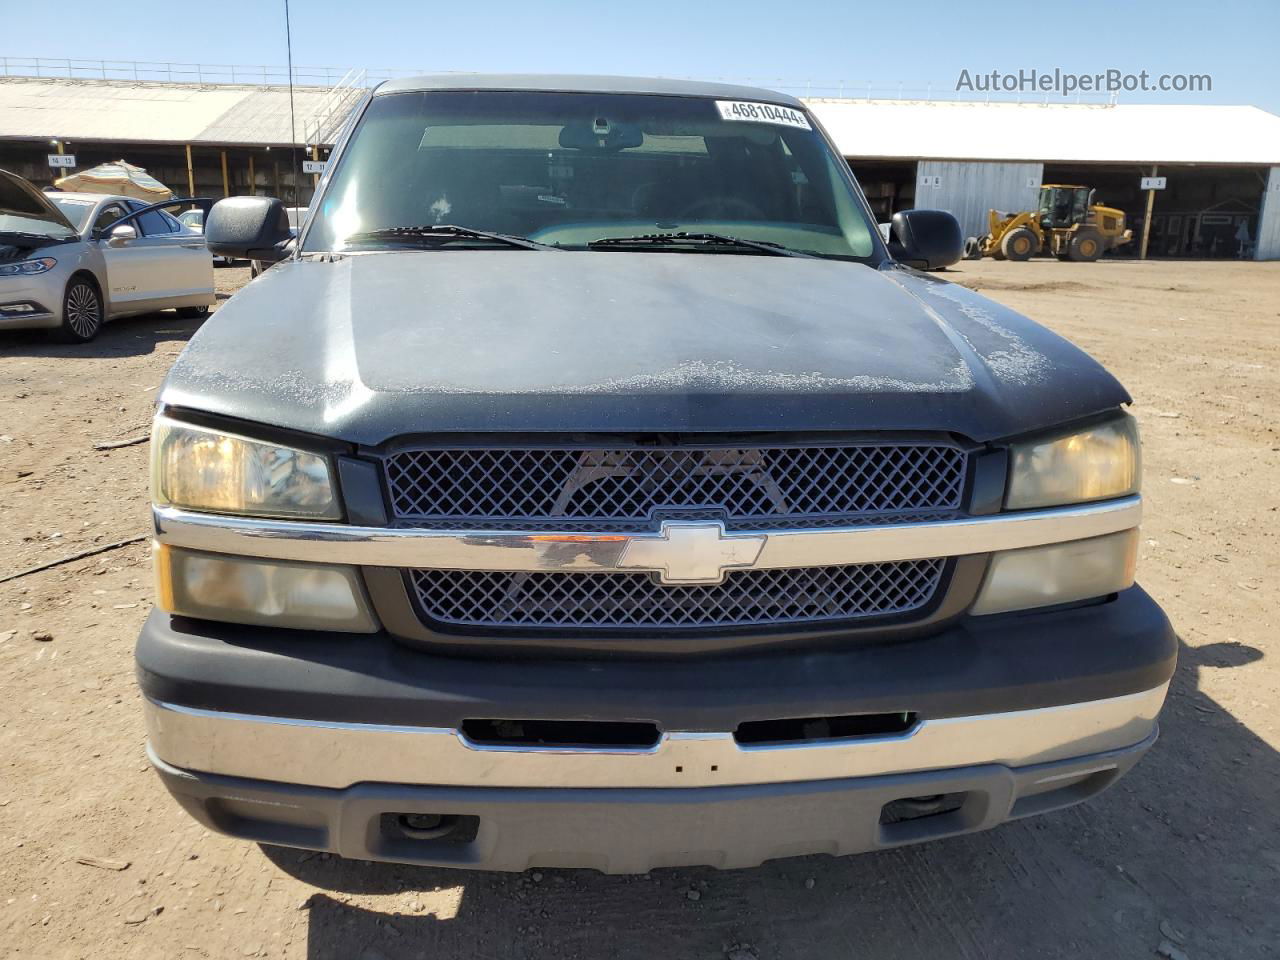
(153, 112)
(1102, 133)
(149, 112)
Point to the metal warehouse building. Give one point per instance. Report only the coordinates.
(1221, 163)
(199, 139)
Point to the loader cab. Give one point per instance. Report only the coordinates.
(1064, 206)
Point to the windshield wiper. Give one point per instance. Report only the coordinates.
(434, 234)
(697, 240)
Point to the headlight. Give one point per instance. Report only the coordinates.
(202, 469)
(27, 268)
(275, 593)
(1092, 464)
(1059, 573)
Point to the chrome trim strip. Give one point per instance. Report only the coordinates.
(340, 754)
(512, 550)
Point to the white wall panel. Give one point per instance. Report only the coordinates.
(1268, 247)
(968, 189)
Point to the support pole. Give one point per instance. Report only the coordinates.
(253, 182)
(1146, 223)
(226, 183)
(275, 171)
(191, 174)
(315, 177)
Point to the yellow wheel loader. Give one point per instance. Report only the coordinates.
(1068, 225)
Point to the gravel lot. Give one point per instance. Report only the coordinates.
(1185, 850)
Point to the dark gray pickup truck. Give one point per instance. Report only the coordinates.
(589, 484)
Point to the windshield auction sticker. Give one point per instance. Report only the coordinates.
(762, 113)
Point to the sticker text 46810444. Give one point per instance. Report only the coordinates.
(762, 113)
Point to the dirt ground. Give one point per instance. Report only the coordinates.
(1185, 849)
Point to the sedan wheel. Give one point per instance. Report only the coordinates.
(81, 312)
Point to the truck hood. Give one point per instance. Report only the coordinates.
(367, 347)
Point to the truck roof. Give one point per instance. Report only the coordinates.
(570, 83)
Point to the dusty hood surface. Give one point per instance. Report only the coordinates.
(374, 346)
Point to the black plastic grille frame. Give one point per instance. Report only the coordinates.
(635, 488)
(555, 599)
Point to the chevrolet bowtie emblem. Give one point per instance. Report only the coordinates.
(692, 552)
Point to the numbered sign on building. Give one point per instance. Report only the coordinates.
(313, 166)
(1153, 183)
(62, 160)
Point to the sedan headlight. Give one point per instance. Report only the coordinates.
(1096, 463)
(202, 469)
(28, 268)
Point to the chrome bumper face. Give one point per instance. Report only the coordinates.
(338, 755)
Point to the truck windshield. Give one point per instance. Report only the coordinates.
(567, 169)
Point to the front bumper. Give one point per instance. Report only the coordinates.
(314, 739)
(41, 297)
(634, 830)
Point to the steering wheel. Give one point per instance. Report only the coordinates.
(722, 207)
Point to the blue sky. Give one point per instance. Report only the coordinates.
(920, 45)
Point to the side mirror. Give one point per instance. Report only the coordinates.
(248, 228)
(122, 235)
(926, 239)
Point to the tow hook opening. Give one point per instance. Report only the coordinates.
(426, 826)
(434, 827)
(919, 808)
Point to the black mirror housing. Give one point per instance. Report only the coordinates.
(248, 228)
(926, 239)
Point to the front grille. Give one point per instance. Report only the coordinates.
(608, 600)
(634, 488)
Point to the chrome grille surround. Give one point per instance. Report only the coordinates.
(627, 489)
(634, 488)
(750, 597)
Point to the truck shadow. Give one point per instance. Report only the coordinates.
(1186, 839)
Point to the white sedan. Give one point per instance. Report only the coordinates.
(72, 261)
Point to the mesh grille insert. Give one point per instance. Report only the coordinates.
(745, 598)
(633, 488)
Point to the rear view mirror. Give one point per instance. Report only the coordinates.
(121, 235)
(926, 239)
(248, 228)
(602, 136)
